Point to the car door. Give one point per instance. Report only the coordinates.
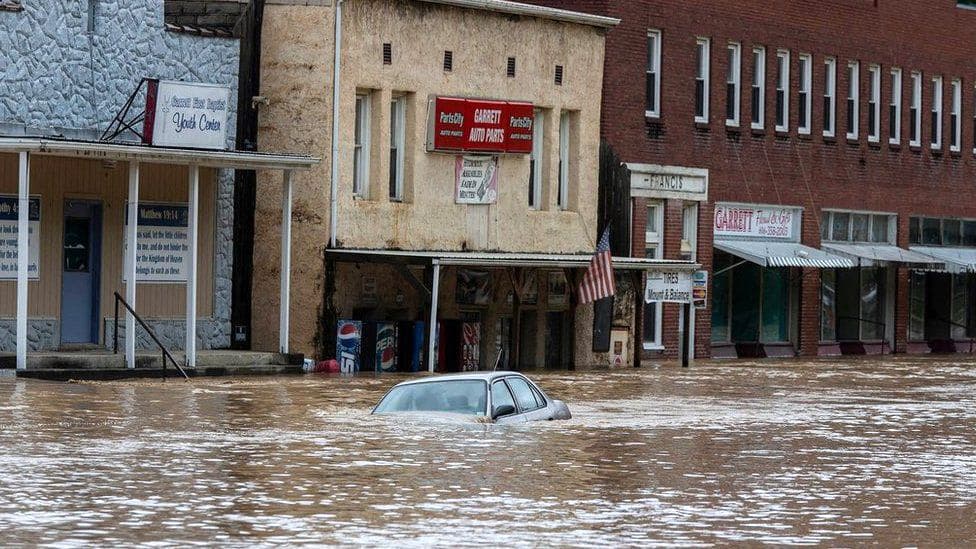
(531, 404)
(500, 396)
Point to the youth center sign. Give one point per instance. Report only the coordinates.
(183, 114)
(9, 212)
(479, 126)
(754, 221)
(163, 250)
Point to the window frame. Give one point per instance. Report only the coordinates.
(805, 94)
(782, 87)
(654, 35)
(655, 237)
(874, 103)
(938, 90)
(853, 100)
(827, 219)
(536, 160)
(562, 189)
(915, 104)
(955, 115)
(735, 72)
(894, 106)
(398, 120)
(361, 145)
(830, 94)
(509, 382)
(703, 56)
(758, 85)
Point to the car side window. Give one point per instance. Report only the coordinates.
(538, 396)
(523, 394)
(500, 395)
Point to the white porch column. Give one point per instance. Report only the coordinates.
(23, 257)
(192, 224)
(435, 287)
(130, 262)
(285, 298)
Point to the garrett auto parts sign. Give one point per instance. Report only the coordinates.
(478, 125)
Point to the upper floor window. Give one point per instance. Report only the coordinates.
(758, 88)
(842, 226)
(874, 103)
(853, 98)
(930, 231)
(653, 82)
(955, 112)
(702, 62)
(915, 111)
(562, 196)
(732, 85)
(894, 108)
(535, 162)
(830, 95)
(398, 117)
(936, 113)
(805, 104)
(782, 91)
(360, 161)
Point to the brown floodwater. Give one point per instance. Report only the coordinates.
(836, 453)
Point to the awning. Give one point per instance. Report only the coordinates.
(500, 259)
(957, 260)
(782, 254)
(883, 255)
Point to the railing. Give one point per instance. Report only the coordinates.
(884, 325)
(166, 354)
(958, 325)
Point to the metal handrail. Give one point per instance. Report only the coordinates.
(166, 354)
(884, 339)
(956, 324)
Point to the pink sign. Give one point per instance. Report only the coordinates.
(759, 221)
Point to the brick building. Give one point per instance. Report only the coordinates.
(835, 143)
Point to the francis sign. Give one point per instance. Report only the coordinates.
(479, 125)
(163, 252)
(183, 114)
(668, 287)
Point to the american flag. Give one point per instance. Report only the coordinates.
(598, 280)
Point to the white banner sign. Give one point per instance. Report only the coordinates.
(761, 221)
(668, 287)
(8, 237)
(189, 115)
(163, 252)
(477, 180)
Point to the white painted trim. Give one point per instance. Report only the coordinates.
(706, 45)
(897, 86)
(130, 263)
(285, 273)
(658, 42)
(783, 60)
(432, 326)
(805, 73)
(874, 91)
(854, 94)
(830, 91)
(916, 101)
(23, 255)
(736, 69)
(516, 8)
(193, 194)
(758, 81)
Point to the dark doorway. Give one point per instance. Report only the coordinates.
(80, 271)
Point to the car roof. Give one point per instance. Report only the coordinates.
(465, 376)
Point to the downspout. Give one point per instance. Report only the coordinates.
(334, 200)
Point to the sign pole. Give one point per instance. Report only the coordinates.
(685, 333)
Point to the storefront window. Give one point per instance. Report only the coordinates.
(931, 232)
(720, 297)
(828, 305)
(916, 306)
(960, 305)
(872, 304)
(775, 306)
(745, 302)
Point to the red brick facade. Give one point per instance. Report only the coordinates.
(769, 167)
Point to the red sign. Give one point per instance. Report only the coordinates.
(478, 125)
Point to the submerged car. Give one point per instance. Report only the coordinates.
(499, 397)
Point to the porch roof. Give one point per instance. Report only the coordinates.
(883, 255)
(98, 150)
(501, 259)
(957, 260)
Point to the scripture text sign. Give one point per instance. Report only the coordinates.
(163, 252)
(8, 237)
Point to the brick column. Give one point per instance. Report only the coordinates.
(901, 310)
(703, 318)
(809, 312)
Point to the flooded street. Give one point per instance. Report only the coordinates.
(837, 453)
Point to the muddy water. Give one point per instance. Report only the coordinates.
(843, 453)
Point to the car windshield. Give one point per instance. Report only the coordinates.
(458, 397)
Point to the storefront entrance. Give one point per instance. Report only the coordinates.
(943, 311)
(81, 269)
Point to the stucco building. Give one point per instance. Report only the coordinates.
(394, 218)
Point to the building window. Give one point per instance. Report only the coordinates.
(759, 88)
(928, 231)
(853, 98)
(806, 79)
(732, 85)
(398, 117)
(360, 161)
(653, 249)
(936, 113)
(894, 108)
(562, 198)
(702, 62)
(535, 162)
(862, 227)
(830, 95)
(915, 112)
(782, 91)
(955, 112)
(653, 83)
(874, 104)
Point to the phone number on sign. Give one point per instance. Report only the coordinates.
(774, 231)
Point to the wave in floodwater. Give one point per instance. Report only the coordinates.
(822, 452)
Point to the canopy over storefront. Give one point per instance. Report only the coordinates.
(782, 254)
(135, 154)
(883, 255)
(957, 260)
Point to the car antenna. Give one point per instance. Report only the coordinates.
(497, 360)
